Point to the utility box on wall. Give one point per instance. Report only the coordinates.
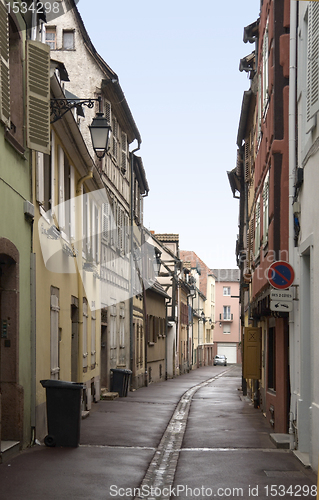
(252, 353)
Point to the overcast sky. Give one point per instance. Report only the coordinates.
(177, 62)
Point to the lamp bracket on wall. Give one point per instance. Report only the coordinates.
(61, 106)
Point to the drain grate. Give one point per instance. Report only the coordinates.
(284, 473)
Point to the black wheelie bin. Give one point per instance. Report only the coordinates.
(120, 381)
(63, 412)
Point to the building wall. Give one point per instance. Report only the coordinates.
(15, 239)
(304, 343)
(156, 346)
(60, 284)
(232, 326)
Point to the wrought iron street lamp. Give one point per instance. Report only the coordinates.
(100, 128)
(157, 261)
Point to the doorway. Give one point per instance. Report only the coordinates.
(11, 394)
(75, 339)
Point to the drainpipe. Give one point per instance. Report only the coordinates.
(131, 260)
(78, 264)
(292, 168)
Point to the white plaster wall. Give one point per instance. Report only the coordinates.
(305, 371)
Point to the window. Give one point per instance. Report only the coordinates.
(226, 329)
(113, 340)
(50, 37)
(226, 313)
(266, 209)
(265, 63)
(85, 334)
(257, 228)
(226, 290)
(68, 40)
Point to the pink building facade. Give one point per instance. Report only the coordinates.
(227, 315)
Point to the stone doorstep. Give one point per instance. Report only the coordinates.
(109, 396)
(9, 449)
(303, 458)
(281, 440)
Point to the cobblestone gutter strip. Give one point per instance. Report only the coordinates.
(161, 471)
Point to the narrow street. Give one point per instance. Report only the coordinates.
(190, 437)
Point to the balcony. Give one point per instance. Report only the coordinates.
(227, 318)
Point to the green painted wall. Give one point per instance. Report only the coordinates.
(15, 188)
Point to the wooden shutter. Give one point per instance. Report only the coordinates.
(312, 60)
(107, 111)
(105, 221)
(4, 65)
(38, 96)
(124, 152)
(247, 161)
(114, 138)
(252, 353)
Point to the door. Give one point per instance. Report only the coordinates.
(74, 342)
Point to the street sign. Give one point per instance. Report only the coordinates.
(281, 275)
(279, 306)
(281, 295)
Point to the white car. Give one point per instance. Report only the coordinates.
(220, 359)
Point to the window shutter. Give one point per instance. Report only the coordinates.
(114, 137)
(312, 60)
(105, 221)
(114, 224)
(107, 111)
(124, 153)
(247, 161)
(4, 66)
(127, 234)
(38, 96)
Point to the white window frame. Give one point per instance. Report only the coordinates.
(226, 290)
(226, 313)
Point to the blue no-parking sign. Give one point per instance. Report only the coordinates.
(281, 274)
